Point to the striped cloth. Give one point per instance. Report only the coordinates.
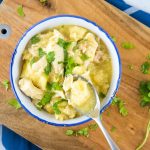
(140, 15)
(10, 140)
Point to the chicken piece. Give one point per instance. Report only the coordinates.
(67, 84)
(29, 89)
(40, 65)
(89, 45)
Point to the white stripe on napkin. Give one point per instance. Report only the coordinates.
(131, 10)
(140, 4)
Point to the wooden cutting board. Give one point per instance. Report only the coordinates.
(129, 130)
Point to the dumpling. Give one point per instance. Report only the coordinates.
(30, 90)
(76, 33)
(79, 93)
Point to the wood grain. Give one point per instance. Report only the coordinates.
(130, 130)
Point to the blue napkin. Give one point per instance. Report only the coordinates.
(140, 15)
(13, 141)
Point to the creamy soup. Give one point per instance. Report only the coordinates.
(49, 61)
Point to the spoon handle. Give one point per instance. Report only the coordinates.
(110, 141)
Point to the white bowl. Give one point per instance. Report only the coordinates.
(16, 65)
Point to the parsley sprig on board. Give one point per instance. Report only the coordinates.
(121, 106)
(6, 84)
(20, 11)
(144, 89)
(82, 132)
(13, 102)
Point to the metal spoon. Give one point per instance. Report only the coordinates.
(95, 114)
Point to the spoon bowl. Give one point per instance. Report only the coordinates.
(95, 113)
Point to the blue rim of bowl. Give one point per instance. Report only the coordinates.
(15, 51)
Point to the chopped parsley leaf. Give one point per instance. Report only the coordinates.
(45, 100)
(20, 11)
(6, 84)
(113, 128)
(64, 44)
(145, 68)
(55, 106)
(69, 65)
(54, 86)
(131, 67)
(41, 52)
(148, 56)
(33, 60)
(84, 132)
(84, 57)
(121, 106)
(69, 132)
(127, 45)
(35, 39)
(50, 57)
(113, 38)
(93, 126)
(13, 102)
(144, 89)
(48, 69)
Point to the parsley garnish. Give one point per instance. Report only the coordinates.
(41, 52)
(93, 126)
(50, 58)
(69, 132)
(48, 69)
(33, 60)
(83, 131)
(113, 38)
(84, 57)
(69, 65)
(55, 106)
(113, 128)
(148, 56)
(121, 106)
(144, 89)
(6, 84)
(35, 39)
(63, 44)
(145, 137)
(45, 100)
(131, 67)
(20, 11)
(127, 45)
(14, 103)
(145, 67)
(54, 86)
